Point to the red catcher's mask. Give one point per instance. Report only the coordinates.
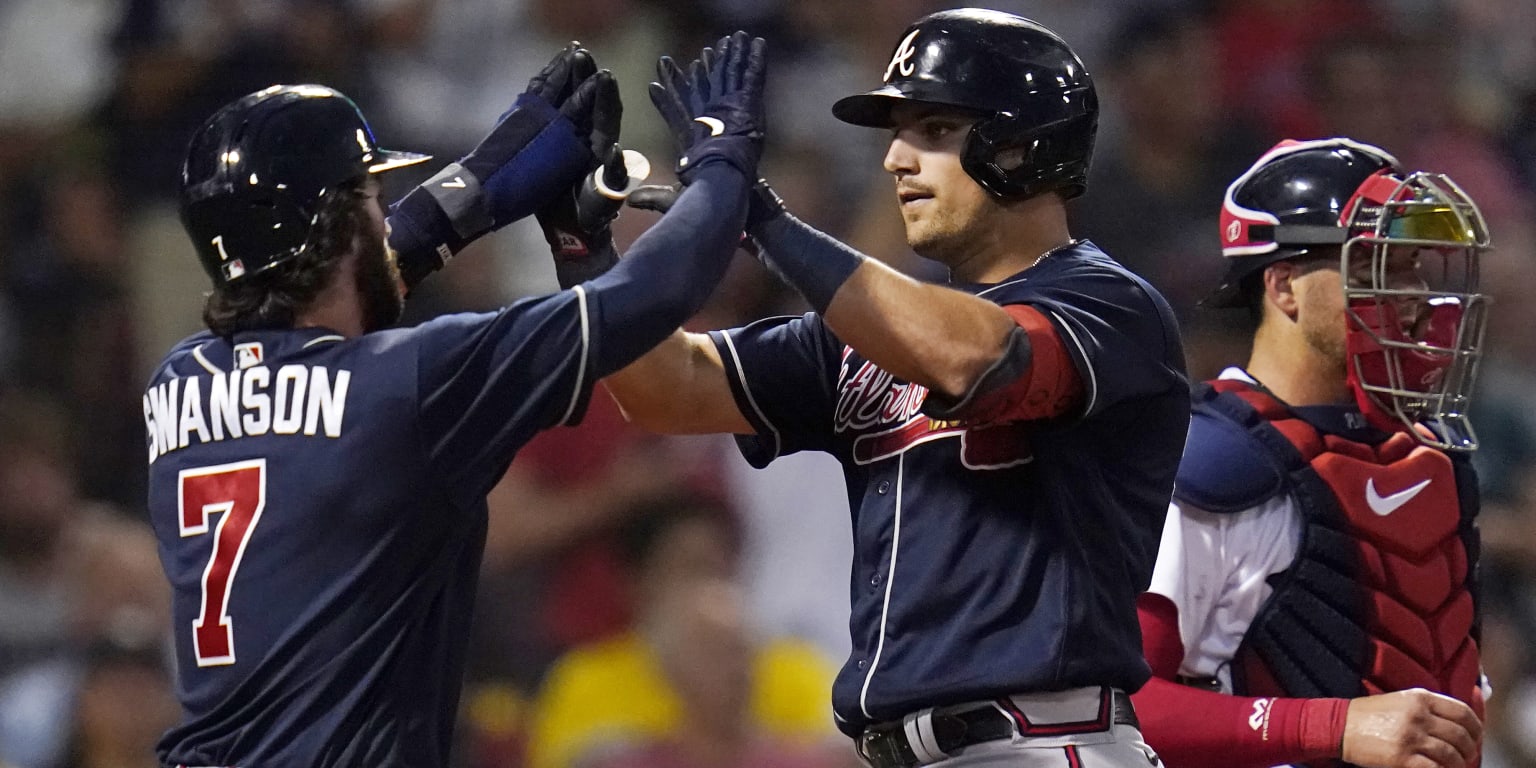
(1416, 318)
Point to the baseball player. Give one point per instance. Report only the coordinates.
(1317, 563)
(317, 482)
(1009, 439)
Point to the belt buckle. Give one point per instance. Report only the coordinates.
(881, 747)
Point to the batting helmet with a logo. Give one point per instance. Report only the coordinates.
(256, 172)
(1029, 89)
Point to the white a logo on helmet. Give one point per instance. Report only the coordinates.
(902, 60)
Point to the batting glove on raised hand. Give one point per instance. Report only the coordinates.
(715, 109)
(577, 224)
(537, 150)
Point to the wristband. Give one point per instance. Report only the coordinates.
(814, 263)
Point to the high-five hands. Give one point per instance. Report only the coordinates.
(536, 151)
(577, 223)
(715, 108)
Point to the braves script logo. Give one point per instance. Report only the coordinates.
(901, 61)
(889, 415)
(871, 398)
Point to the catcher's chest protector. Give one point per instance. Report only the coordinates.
(1380, 596)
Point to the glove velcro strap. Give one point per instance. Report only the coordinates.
(458, 193)
(421, 235)
(530, 157)
(764, 204)
(740, 151)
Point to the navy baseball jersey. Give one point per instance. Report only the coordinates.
(989, 559)
(320, 508)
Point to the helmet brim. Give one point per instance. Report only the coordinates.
(870, 110)
(381, 160)
(873, 109)
(1230, 294)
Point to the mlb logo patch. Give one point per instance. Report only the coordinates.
(248, 354)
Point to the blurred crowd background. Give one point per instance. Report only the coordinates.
(649, 601)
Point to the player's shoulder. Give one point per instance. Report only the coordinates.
(183, 357)
(808, 328)
(1085, 258)
(1226, 468)
(1081, 269)
(459, 326)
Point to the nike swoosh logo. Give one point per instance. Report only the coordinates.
(1386, 505)
(457, 183)
(716, 125)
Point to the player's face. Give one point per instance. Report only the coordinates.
(378, 276)
(1319, 289)
(945, 211)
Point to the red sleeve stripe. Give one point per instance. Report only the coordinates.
(1050, 388)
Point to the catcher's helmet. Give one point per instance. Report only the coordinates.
(1032, 91)
(1291, 199)
(257, 171)
(1412, 342)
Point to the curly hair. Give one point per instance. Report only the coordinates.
(274, 298)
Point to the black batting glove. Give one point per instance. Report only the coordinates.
(577, 224)
(715, 109)
(535, 152)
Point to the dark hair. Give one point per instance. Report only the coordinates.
(1252, 286)
(274, 298)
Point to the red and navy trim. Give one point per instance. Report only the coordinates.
(1100, 723)
(1074, 760)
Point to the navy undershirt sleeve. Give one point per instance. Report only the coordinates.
(670, 270)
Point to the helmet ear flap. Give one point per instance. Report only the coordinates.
(228, 230)
(997, 152)
(1011, 157)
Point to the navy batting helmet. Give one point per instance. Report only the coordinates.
(1032, 91)
(257, 171)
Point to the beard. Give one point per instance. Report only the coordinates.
(378, 279)
(946, 236)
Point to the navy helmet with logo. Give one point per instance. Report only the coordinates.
(257, 171)
(1037, 108)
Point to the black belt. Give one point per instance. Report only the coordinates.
(885, 745)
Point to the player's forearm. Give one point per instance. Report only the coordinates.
(931, 335)
(679, 387)
(1194, 728)
(671, 269)
(927, 334)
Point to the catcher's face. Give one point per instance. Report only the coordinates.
(945, 211)
(1319, 289)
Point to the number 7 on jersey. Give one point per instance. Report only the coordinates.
(238, 491)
